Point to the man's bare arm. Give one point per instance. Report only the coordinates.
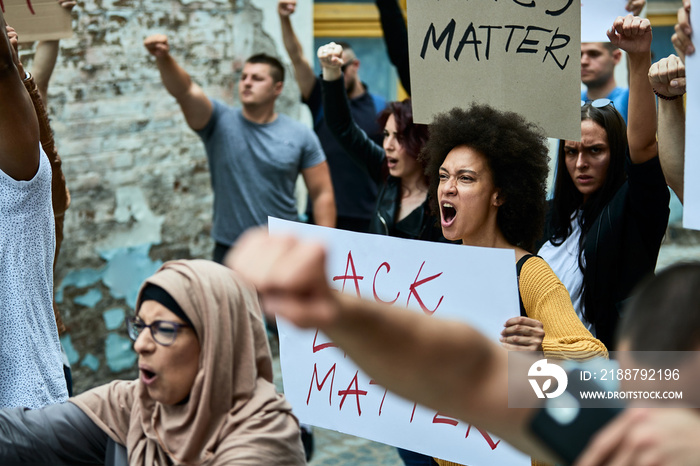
(318, 183)
(303, 72)
(667, 78)
(195, 105)
(682, 38)
(44, 63)
(45, 58)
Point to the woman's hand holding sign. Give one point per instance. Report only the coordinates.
(522, 334)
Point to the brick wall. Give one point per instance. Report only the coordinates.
(138, 176)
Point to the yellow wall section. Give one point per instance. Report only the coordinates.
(350, 20)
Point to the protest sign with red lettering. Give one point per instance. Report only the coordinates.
(519, 56)
(447, 281)
(37, 19)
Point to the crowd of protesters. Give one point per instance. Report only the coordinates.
(475, 176)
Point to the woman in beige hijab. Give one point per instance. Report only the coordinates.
(204, 396)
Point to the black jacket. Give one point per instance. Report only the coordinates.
(419, 224)
(622, 245)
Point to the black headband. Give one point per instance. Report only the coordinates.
(158, 294)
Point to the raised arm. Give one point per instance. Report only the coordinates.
(444, 365)
(19, 129)
(44, 63)
(635, 6)
(396, 39)
(633, 35)
(60, 196)
(195, 105)
(303, 72)
(667, 77)
(45, 58)
(681, 39)
(336, 111)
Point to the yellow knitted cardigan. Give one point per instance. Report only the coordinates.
(546, 299)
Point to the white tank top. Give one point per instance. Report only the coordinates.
(31, 371)
(563, 260)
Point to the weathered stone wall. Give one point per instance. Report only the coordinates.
(138, 176)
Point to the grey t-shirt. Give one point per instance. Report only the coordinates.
(254, 168)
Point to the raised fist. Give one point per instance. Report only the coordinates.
(157, 45)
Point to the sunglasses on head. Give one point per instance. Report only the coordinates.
(597, 103)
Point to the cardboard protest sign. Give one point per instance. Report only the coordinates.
(37, 19)
(691, 181)
(447, 281)
(597, 16)
(521, 56)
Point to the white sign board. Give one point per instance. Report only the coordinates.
(691, 182)
(522, 57)
(597, 16)
(476, 285)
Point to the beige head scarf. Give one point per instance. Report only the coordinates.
(233, 415)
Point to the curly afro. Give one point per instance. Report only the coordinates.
(516, 152)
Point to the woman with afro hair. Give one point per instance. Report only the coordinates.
(488, 172)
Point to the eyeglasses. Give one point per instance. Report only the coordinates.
(598, 103)
(162, 331)
(345, 66)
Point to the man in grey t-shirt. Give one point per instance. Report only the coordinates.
(254, 153)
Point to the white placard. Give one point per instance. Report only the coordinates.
(691, 182)
(476, 285)
(597, 16)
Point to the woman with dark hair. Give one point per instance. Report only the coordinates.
(402, 208)
(610, 207)
(512, 159)
(488, 172)
(452, 368)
